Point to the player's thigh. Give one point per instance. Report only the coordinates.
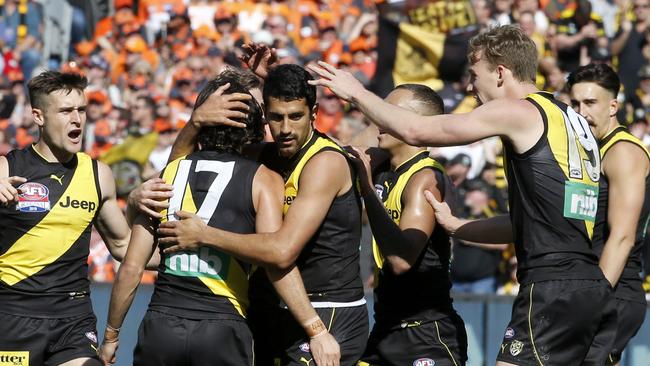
(84, 361)
(226, 342)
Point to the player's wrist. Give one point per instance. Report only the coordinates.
(314, 327)
(111, 335)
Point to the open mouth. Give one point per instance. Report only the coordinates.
(74, 134)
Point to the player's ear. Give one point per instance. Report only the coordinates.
(501, 73)
(314, 112)
(613, 107)
(38, 116)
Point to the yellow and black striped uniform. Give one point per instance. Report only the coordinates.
(422, 292)
(553, 196)
(206, 283)
(629, 286)
(44, 239)
(329, 263)
(569, 59)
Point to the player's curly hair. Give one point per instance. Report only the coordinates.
(225, 138)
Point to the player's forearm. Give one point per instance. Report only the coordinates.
(124, 288)
(289, 285)
(118, 246)
(400, 252)
(614, 257)
(493, 230)
(262, 249)
(185, 141)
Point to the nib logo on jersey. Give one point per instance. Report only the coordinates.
(34, 197)
(14, 358)
(580, 201)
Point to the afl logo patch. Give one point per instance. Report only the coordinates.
(304, 347)
(509, 333)
(91, 336)
(424, 362)
(34, 197)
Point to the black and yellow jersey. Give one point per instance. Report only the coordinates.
(601, 230)
(423, 291)
(206, 283)
(553, 197)
(44, 239)
(329, 262)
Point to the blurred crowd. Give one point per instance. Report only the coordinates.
(146, 60)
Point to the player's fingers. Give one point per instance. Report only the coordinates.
(236, 105)
(328, 67)
(167, 225)
(16, 180)
(233, 113)
(172, 249)
(150, 212)
(238, 97)
(221, 89)
(321, 72)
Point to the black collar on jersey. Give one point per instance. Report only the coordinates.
(409, 163)
(611, 135)
(70, 164)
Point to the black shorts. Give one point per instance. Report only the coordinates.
(629, 318)
(431, 342)
(47, 341)
(554, 322)
(166, 339)
(348, 325)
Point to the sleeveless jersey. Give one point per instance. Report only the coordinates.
(423, 291)
(553, 196)
(630, 279)
(44, 239)
(329, 262)
(206, 283)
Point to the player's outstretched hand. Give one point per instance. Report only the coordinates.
(325, 349)
(362, 167)
(184, 234)
(259, 58)
(107, 352)
(444, 217)
(8, 193)
(221, 109)
(342, 83)
(151, 197)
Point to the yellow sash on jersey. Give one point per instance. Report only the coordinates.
(235, 286)
(620, 134)
(291, 185)
(393, 202)
(57, 232)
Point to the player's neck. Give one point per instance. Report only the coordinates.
(403, 154)
(519, 90)
(50, 154)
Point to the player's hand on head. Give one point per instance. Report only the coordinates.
(8, 192)
(184, 234)
(362, 167)
(340, 82)
(325, 350)
(151, 197)
(221, 109)
(259, 58)
(444, 217)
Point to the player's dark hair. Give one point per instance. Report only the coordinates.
(427, 96)
(600, 74)
(226, 138)
(47, 82)
(288, 83)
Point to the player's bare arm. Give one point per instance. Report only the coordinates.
(441, 130)
(111, 223)
(626, 167)
(8, 191)
(318, 188)
(140, 249)
(268, 195)
(493, 230)
(218, 109)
